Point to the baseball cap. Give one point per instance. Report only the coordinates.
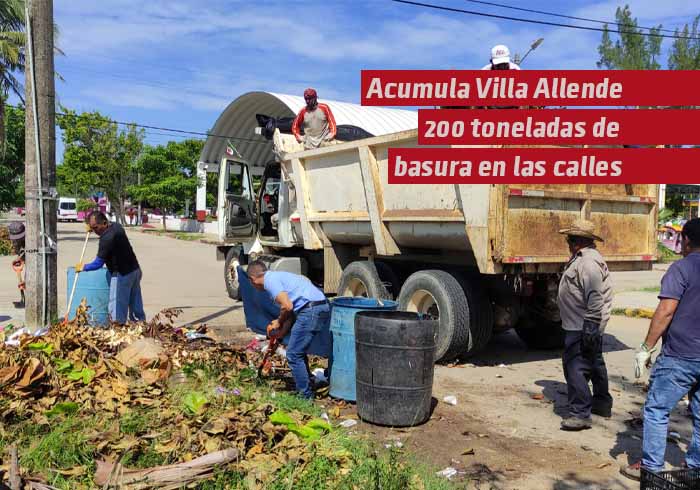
(500, 54)
(16, 230)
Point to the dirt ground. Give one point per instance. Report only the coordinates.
(515, 438)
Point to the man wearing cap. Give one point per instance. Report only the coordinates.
(500, 59)
(317, 121)
(585, 303)
(17, 232)
(677, 369)
(301, 302)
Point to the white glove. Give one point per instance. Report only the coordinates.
(642, 360)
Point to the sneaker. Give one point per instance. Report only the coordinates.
(575, 423)
(604, 411)
(633, 471)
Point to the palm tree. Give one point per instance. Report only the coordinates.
(12, 48)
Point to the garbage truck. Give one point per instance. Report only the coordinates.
(480, 258)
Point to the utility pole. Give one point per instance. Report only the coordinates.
(40, 166)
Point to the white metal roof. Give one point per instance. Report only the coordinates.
(238, 122)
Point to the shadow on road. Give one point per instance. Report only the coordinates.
(507, 348)
(556, 392)
(572, 481)
(214, 315)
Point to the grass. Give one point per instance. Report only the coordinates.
(338, 460)
(179, 235)
(666, 255)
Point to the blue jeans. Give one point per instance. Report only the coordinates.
(671, 379)
(309, 322)
(125, 297)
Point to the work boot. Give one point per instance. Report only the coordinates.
(575, 423)
(633, 471)
(602, 410)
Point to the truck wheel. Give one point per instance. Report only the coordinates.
(361, 278)
(480, 316)
(540, 333)
(440, 295)
(231, 274)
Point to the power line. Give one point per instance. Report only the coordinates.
(552, 14)
(532, 21)
(158, 128)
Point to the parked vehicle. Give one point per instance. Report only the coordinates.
(67, 209)
(479, 258)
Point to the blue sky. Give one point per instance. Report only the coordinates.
(179, 63)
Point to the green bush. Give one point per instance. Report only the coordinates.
(86, 204)
(5, 243)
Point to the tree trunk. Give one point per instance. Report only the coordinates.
(2, 123)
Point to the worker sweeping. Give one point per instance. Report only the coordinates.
(17, 232)
(317, 121)
(298, 298)
(125, 275)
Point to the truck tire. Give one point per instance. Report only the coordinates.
(233, 260)
(481, 315)
(540, 334)
(440, 295)
(361, 278)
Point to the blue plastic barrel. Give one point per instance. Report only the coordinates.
(94, 287)
(344, 309)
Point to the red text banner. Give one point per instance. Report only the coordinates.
(530, 87)
(542, 165)
(558, 127)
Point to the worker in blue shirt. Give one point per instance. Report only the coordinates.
(298, 298)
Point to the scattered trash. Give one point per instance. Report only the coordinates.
(537, 396)
(325, 417)
(502, 365)
(448, 472)
(450, 399)
(397, 444)
(482, 436)
(675, 435)
(348, 423)
(603, 465)
(468, 452)
(318, 373)
(587, 448)
(499, 375)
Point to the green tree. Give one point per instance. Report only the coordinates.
(12, 160)
(632, 50)
(12, 41)
(98, 156)
(685, 51)
(168, 175)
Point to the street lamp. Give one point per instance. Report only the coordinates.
(533, 47)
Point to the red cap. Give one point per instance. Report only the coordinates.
(309, 92)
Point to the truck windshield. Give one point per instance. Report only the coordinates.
(68, 206)
(238, 181)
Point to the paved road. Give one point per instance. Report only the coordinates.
(177, 273)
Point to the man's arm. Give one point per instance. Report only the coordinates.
(94, 265)
(296, 125)
(592, 281)
(283, 324)
(660, 321)
(332, 128)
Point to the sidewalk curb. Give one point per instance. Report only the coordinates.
(634, 312)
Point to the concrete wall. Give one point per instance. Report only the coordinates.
(186, 225)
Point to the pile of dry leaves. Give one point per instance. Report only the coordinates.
(109, 373)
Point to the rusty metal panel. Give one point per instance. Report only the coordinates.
(623, 226)
(533, 224)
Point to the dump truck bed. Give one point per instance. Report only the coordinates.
(342, 195)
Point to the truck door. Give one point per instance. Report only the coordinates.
(237, 218)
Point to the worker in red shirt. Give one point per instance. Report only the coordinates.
(317, 120)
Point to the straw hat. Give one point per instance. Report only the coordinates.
(582, 228)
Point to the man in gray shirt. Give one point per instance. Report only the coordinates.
(585, 304)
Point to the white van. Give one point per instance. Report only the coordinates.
(67, 209)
